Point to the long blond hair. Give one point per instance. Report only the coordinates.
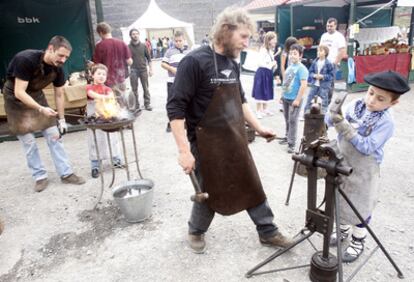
(228, 21)
(268, 37)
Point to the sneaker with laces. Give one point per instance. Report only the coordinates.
(345, 232)
(95, 172)
(41, 185)
(72, 179)
(118, 163)
(354, 250)
(278, 240)
(197, 243)
(291, 149)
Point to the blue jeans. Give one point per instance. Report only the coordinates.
(321, 92)
(56, 149)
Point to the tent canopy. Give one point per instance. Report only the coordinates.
(155, 19)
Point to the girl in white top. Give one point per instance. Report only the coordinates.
(263, 79)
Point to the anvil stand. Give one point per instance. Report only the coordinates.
(129, 125)
(324, 266)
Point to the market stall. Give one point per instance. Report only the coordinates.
(306, 20)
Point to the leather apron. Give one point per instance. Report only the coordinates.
(229, 174)
(21, 118)
(361, 187)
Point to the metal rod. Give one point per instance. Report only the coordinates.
(292, 178)
(400, 274)
(108, 138)
(279, 270)
(135, 149)
(100, 168)
(280, 252)
(362, 264)
(338, 235)
(125, 155)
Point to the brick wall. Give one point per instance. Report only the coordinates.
(122, 13)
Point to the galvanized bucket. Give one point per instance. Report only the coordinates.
(134, 198)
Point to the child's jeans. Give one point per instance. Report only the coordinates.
(291, 119)
(323, 93)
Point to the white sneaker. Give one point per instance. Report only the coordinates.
(259, 115)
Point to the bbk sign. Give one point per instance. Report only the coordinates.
(28, 20)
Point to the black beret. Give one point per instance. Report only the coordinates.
(388, 80)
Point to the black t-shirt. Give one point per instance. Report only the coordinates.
(25, 64)
(193, 88)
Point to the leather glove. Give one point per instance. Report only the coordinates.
(347, 131)
(336, 117)
(62, 126)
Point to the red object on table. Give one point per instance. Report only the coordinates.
(377, 63)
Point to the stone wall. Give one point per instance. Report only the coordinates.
(121, 13)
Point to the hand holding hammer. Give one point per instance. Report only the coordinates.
(199, 195)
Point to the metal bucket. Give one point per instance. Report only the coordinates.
(134, 198)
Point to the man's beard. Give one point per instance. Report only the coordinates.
(229, 49)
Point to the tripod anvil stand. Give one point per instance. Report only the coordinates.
(324, 266)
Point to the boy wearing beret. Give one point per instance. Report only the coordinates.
(362, 133)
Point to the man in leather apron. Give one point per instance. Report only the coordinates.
(208, 99)
(28, 111)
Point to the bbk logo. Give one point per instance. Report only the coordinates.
(28, 20)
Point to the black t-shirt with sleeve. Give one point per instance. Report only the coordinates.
(193, 87)
(25, 64)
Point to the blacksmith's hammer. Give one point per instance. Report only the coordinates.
(199, 195)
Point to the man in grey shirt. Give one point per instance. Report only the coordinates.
(139, 68)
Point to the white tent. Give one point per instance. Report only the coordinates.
(153, 20)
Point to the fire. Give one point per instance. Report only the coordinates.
(107, 108)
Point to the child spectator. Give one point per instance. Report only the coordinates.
(284, 61)
(362, 133)
(98, 92)
(321, 74)
(263, 79)
(293, 88)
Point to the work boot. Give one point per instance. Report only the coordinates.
(72, 179)
(197, 243)
(278, 240)
(41, 185)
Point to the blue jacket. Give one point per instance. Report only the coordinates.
(327, 71)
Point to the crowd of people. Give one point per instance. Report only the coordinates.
(207, 111)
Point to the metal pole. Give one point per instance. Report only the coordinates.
(125, 154)
(100, 168)
(135, 149)
(99, 11)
